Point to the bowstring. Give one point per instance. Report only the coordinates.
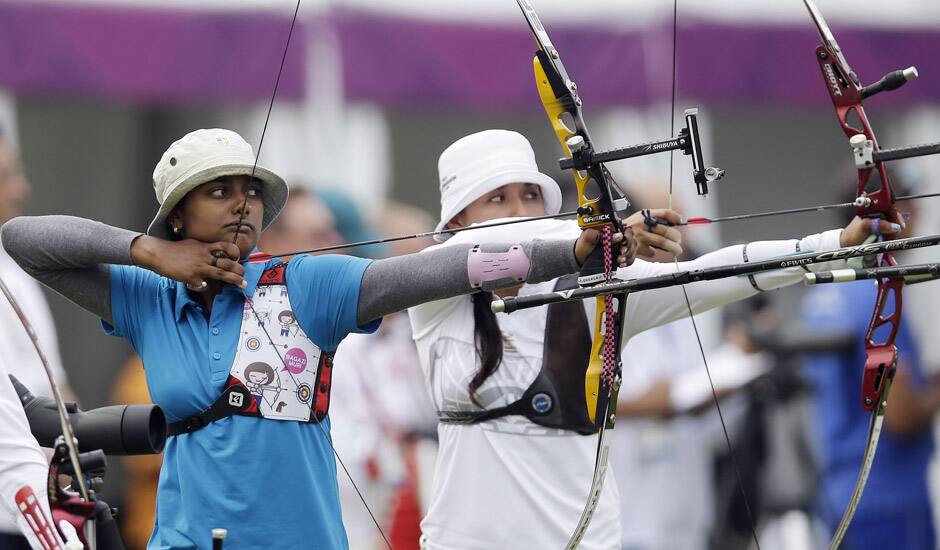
(241, 219)
(326, 434)
(685, 294)
(267, 118)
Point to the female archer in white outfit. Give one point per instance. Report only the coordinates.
(510, 473)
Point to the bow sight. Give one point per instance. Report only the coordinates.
(562, 102)
(688, 141)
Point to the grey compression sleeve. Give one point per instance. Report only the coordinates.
(70, 255)
(395, 284)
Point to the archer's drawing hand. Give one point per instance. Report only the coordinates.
(657, 236)
(591, 238)
(190, 261)
(860, 229)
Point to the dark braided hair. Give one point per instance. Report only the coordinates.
(488, 342)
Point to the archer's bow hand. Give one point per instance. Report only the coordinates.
(190, 261)
(860, 230)
(591, 238)
(660, 235)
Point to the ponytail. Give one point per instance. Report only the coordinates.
(488, 341)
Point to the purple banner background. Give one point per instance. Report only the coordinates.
(151, 55)
(145, 54)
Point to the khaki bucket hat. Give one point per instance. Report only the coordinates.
(205, 155)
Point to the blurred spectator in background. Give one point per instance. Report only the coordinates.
(17, 348)
(350, 224)
(765, 484)
(383, 423)
(397, 219)
(895, 510)
(139, 499)
(305, 223)
(662, 448)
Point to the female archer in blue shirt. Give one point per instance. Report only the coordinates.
(202, 307)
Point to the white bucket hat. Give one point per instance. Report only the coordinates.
(205, 155)
(476, 164)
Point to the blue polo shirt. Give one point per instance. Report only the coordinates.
(271, 483)
(896, 494)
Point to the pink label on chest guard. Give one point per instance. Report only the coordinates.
(295, 361)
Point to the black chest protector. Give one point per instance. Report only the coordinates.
(556, 398)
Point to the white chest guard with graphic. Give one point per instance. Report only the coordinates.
(278, 373)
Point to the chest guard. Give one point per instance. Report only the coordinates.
(556, 398)
(278, 373)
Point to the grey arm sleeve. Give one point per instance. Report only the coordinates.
(395, 284)
(70, 255)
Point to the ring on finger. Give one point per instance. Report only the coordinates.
(197, 288)
(215, 261)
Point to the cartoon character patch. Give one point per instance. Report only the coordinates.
(259, 376)
(287, 320)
